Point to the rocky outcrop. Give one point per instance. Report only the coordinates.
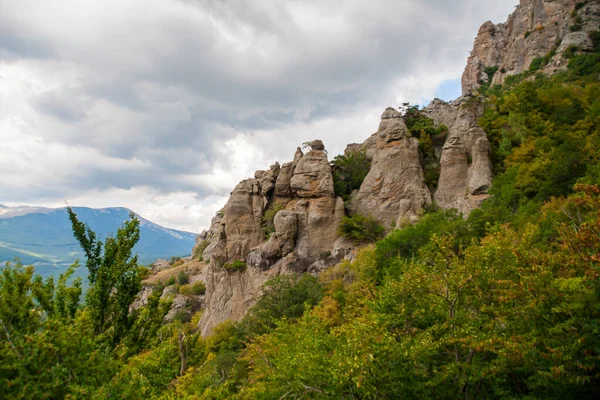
(312, 176)
(183, 305)
(535, 29)
(465, 165)
(305, 232)
(394, 190)
(297, 201)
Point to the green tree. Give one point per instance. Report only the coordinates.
(115, 278)
(349, 171)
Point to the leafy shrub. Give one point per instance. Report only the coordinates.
(585, 64)
(349, 171)
(182, 278)
(361, 228)
(407, 241)
(143, 272)
(595, 37)
(199, 250)
(235, 266)
(430, 136)
(490, 72)
(570, 51)
(170, 281)
(268, 219)
(419, 123)
(536, 64)
(196, 288)
(526, 35)
(286, 296)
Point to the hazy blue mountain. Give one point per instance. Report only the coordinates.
(43, 237)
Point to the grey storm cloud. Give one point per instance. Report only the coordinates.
(166, 83)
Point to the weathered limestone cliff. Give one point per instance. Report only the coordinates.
(537, 28)
(307, 212)
(394, 191)
(466, 168)
(285, 219)
(305, 238)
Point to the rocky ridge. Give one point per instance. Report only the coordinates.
(537, 28)
(285, 219)
(307, 212)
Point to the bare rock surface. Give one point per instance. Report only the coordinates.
(312, 176)
(306, 228)
(394, 190)
(466, 168)
(533, 30)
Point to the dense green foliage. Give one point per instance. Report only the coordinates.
(268, 219)
(235, 266)
(52, 346)
(199, 250)
(430, 136)
(196, 288)
(349, 171)
(361, 228)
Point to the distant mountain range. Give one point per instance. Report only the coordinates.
(43, 237)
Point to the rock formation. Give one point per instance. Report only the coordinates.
(466, 168)
(286, 218)
(305, 232)
(307, 212)
(394, 190)
(535, 29)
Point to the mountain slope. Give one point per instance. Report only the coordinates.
(43, 237)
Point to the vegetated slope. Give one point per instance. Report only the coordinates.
(43, 237)
(502, 304)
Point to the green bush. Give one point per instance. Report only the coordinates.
(170, 281)
(361, 228)
(570, 51)
(235, 266)
(490, 72)
(199, 250)
(585, 64)
(430, 136)
(349, 171)
(143, 272)
(286, 296)
(182, 278)
(595, 37)
(536, 64)
(196, 288)
(268, 219)
(407, 241)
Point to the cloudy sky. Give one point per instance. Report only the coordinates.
(162, 106)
